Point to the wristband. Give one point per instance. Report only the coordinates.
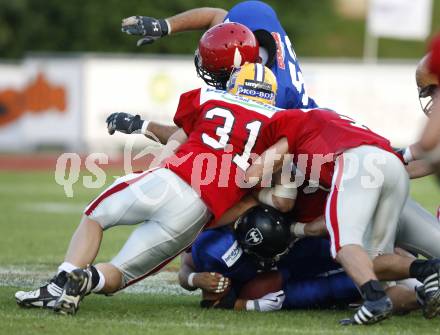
(191, 279)
(298, 229)
(144, 128)
(169, 26)
(407, 155)
(287, 191)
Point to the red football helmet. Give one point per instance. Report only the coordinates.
(223, 47)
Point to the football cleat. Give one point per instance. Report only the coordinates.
(431, 296)
(44, 296)
(78, 285)
(371, 312)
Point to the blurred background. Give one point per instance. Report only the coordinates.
(65, 65)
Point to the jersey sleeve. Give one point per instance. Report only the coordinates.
(256, 15)
(283, 124)
(188, 110)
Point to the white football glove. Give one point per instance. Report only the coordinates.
(268, 303)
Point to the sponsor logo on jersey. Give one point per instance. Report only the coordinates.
(254, 237)
(231, 256)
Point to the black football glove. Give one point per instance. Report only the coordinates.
(150, 28)
(124, 123)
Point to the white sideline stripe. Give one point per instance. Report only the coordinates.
(29, 277)
(53, 207)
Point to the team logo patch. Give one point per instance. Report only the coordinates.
(254, 237)
(232, 255)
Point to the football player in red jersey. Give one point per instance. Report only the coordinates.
(175, 201)
(369, 187)
(221, 49)
(415, 224)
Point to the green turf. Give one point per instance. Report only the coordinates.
(153, 314)
(36, 222)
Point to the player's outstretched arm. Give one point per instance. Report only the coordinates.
(413, 156)
(152, 29)
(418, 169)
(281, 196)
(233, 213)
(178, 138)
(270, 161)
(315, 228)
(133, 124)
(161, 132)
(196, 19)
(191, 280)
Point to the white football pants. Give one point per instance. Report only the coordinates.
(170, 214)
(369, 189)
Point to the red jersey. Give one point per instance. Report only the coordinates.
(317, 136)
(309, 204)
(223, 131)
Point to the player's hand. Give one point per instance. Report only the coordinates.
(150, 28)
(270, 302)
(124, 123)
(211, 282)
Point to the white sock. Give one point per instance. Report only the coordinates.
(66, 266)
(101, 282)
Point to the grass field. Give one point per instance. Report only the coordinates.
(36, 222)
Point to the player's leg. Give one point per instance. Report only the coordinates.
(175, 215)
(109, 209)
(393, 266)
(418, 230)
(85, 242)
(349, 211)
(320, 292)
(350, 217)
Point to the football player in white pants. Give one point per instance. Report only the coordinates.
(172, 203)
(369, 187)
(413, 217)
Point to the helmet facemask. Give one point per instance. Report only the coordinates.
(214, 79)
(221, 48)
(426, 96)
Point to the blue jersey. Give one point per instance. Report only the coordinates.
(217, 250)
(257, 15)
(310, 276)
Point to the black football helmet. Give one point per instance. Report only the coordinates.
(264, 233)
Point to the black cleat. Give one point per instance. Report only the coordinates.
(77, 286)
(371, 312)
(44, 296)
